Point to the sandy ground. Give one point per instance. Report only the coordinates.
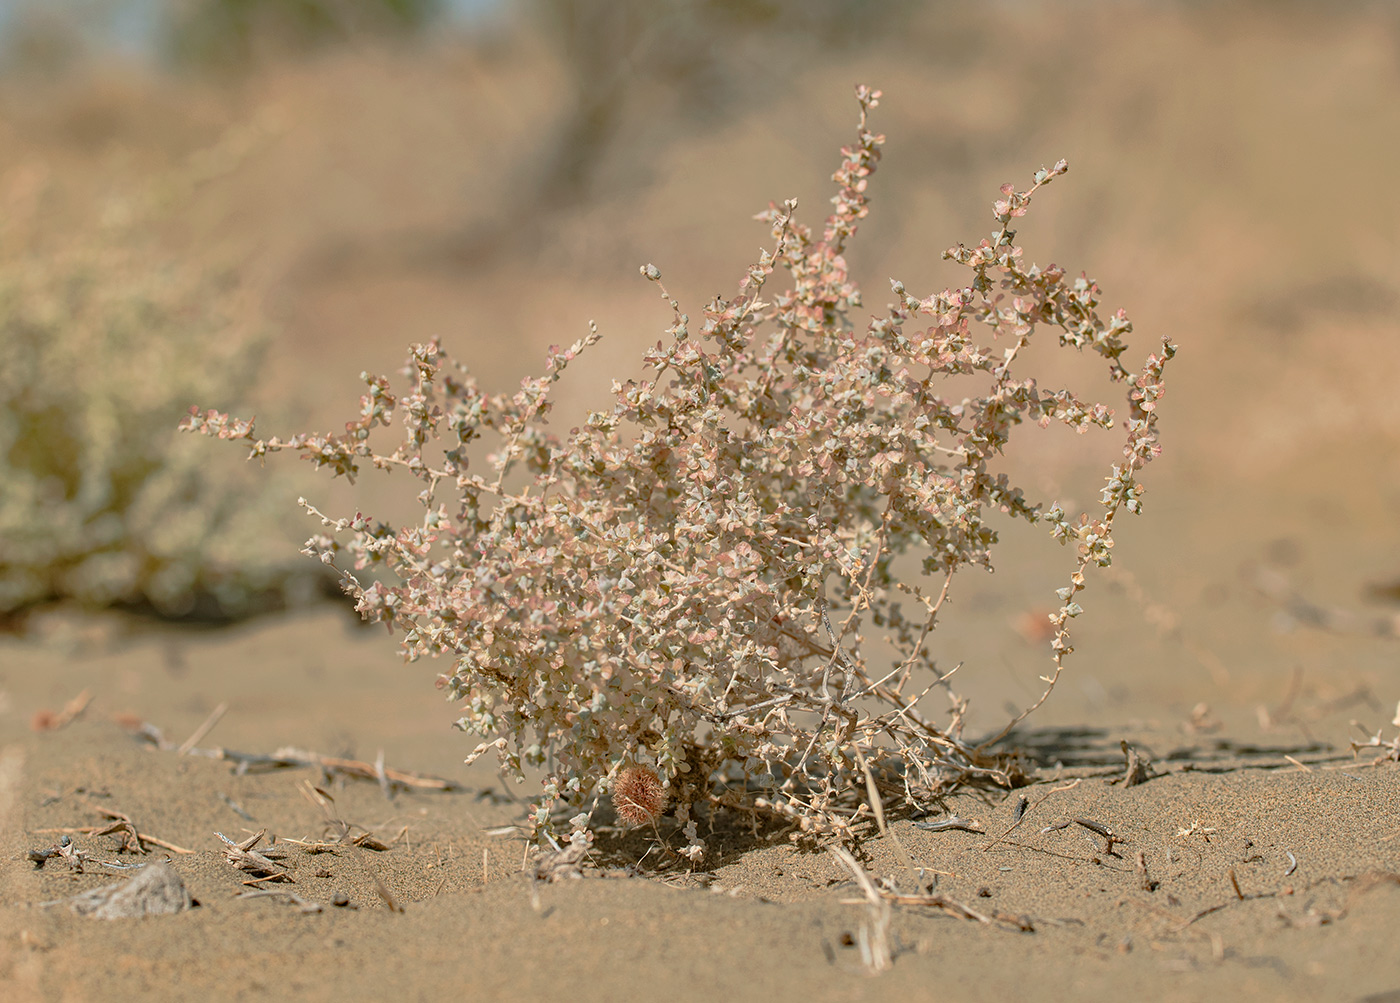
(1225, 162)
(1313, 843)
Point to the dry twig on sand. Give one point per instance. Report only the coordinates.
(874, 936)
(387, 895)
(260, 865)
(133, 840)
(340, 828)
(1391, 748)
(879, 925)
(949, 824)
(293, 758)
(204, 729)
(1024, 807)
(1138, 768)
(65, 848)
(303, 905)
(47, 720)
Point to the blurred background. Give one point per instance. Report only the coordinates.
(245, 203)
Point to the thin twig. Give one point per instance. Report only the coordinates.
(928, 899)
(92, 830)
(873, 793)
(1027, 810)
(49, 721)
(386, 895)
(874, 937)
(292, 757)
(245, 858)
(203, 729)
(303, 905)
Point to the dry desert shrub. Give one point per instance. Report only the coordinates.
(682, 586)
(104, 340)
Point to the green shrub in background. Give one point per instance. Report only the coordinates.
(104, 341)
(230, 33)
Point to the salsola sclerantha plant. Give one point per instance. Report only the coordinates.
(681, 583)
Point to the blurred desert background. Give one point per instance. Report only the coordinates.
(331, 182)
(246, 204)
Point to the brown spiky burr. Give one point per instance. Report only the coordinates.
(638, 795)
